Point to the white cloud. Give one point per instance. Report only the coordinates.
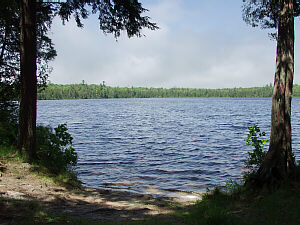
(180, 54)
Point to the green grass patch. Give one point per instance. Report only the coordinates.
(66, 178)
(213, 209)
(279, 207)
(246, 208)
(6, 151)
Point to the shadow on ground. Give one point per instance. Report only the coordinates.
(86, 203)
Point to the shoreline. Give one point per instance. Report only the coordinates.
(18, 182)
(153, 191)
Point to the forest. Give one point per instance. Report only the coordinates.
(93, 91)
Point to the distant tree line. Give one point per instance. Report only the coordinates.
(93, 91)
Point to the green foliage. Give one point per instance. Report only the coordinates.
(114, 16)
(256, 157)
(10, 45)
(6, 150)
(254, 138)
(54, 150)
(8, 133)
(93, 91)
(233, 187)
(265, 13)
(212, 209)
(8, 123)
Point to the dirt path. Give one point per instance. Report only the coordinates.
(18, 182)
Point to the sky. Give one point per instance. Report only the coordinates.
(200, 44)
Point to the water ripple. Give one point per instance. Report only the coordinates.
(177, 144)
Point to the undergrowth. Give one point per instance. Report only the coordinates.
(54, 149)
(56, 156)
(256, 139)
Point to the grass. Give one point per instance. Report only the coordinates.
(234, 206)
(279, 207)
(5, 151)
(64, 178)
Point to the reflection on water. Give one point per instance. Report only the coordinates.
(165, 144)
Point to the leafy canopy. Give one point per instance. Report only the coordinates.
(114, 15)
(265, 13)
(10, 47)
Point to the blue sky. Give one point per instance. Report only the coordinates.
(200, 44)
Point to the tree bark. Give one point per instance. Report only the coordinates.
(3, 47)
(28, 94)
(279, 163)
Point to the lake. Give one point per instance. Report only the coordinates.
(185, 144)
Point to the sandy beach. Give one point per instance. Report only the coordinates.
(18, 182)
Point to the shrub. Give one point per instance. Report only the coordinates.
(233, 187)
(8, 123)
(8, 133)
(54, 149)
(211, 210)
(256, 157)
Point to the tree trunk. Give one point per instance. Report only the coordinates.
(28, 95)
(279, 163)
(3, 47)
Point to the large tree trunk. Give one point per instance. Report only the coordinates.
(279, 163)
(28, 95)
(3, 47)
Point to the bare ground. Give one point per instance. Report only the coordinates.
(17, 181)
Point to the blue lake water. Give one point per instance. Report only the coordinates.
(185, 144)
